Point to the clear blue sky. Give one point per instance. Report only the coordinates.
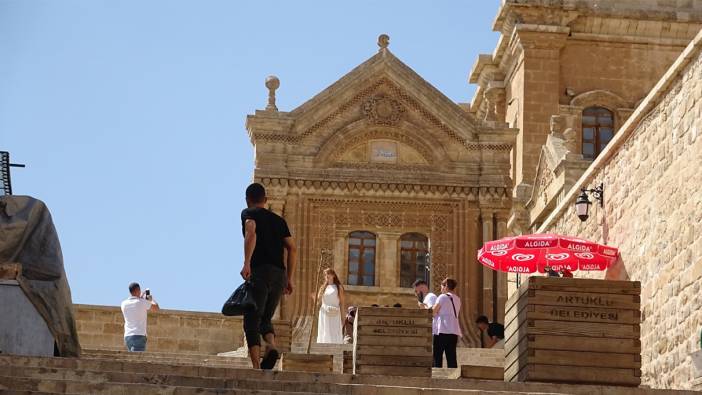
(130, 118)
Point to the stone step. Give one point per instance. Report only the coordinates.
(78, 381)
(341, 383)
(203, 360)
(83, 387)
(197, 361)
(120, 378)
(260, 387)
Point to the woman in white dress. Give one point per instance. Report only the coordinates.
(330, 318)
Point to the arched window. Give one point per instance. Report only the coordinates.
(413, 258)
(598, 130)
(361, 258)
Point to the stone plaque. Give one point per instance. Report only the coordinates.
(383, 152)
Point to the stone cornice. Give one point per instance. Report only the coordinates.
(295, 186)
(651, 10)
(577, 16)
(540, 36)
(625, 39)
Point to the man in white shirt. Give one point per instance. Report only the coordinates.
(425, 298)
(135, 310)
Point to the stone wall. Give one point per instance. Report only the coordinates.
(653, 213)
(102, 327)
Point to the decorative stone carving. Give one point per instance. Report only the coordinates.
(346, 215)
(495, 98)
(546, 177)
(557, 124)
(330, 186)
(383, 110)
(571, 141)
(272, 83)
(383, 41)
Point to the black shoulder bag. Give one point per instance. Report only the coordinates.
(240, 302)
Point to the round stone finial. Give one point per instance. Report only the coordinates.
(383, 41)
(272, 82)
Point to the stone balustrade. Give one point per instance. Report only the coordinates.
(102, 327)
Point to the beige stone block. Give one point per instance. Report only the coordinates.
(188, 345)
(168, 321)
(92, 327)
(111, 329)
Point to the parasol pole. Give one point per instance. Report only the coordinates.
(315, 313)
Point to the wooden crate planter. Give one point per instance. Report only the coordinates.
(392, 341)
(482, 372)
(315, 363)
(573, 330)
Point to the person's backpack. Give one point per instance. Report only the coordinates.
(240, 302)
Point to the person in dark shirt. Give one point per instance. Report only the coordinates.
(266, 237)
(495, 332)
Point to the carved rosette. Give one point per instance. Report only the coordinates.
(383, 110)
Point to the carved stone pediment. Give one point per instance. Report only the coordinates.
(381, 116)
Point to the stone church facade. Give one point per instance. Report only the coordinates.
(386, 180)
(381, 176)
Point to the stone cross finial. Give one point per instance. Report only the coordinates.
(383, 41)
(272, 83)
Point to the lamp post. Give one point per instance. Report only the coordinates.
(582, 204)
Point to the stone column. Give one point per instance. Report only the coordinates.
(540, 71)
(277, 206)
(473, 270)
(387, 260)
(501, 286)
(486, 217)
(340, 253)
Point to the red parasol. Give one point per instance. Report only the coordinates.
(531, 253)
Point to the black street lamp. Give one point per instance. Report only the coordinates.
(582, 204)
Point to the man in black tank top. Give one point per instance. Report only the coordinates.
(266, 237)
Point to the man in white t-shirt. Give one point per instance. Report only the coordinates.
(425, 298)
(135, 310)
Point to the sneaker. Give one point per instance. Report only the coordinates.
(269, 359)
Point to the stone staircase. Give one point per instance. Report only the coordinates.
(121, 373)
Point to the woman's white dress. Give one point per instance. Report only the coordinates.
(329, 324)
